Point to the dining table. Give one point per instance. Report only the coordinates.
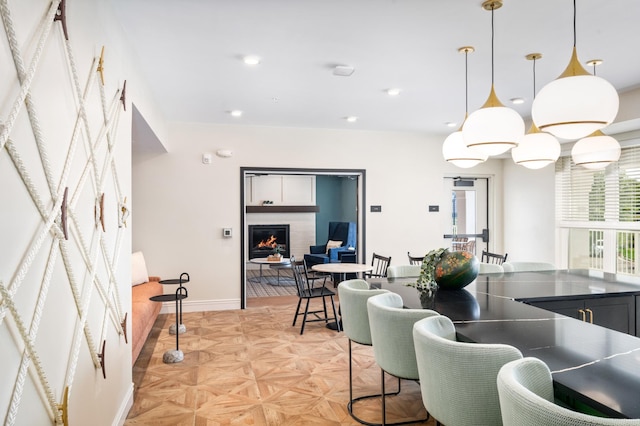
(594, 369)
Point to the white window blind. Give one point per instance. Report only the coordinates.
(609, 195)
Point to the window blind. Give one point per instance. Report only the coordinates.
(609, 195)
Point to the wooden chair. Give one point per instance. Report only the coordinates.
(380, 265)
(307, 292)
(415, 260)
(459, 243)
(496, 259)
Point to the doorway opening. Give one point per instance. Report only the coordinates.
(466, 213)
(280, 196)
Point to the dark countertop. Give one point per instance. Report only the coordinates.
(595, 365)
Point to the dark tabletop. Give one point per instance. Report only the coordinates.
(598, 366)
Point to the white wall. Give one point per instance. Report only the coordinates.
(63, 347)
(182, 205)
(529, 213)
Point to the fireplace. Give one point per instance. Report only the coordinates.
(264, 238)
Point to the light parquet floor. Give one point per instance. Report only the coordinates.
(251, 367)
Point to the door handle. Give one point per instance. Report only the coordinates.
(590, 315)
(583, 316)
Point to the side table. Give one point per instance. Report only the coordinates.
(176, 355)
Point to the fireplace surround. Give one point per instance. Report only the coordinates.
(264, 238)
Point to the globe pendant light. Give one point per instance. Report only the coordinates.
(536, 149)
(494, 128)
(596, 151)
(454, 150)
(577, 103)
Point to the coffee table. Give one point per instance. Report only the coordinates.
(285, 262)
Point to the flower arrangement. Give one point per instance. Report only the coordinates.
(427, 281)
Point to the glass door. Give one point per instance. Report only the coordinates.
(466, 214)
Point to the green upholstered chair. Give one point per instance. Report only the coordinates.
(391, 335)
(403, 271)
(528, 266)
(457, 379)
(353, 296)
(490, 268)
(526, 398)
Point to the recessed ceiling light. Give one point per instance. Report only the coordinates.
(451, 124)
(517, 101)
(343, 70)
(251, 60)
(236, 113)
(351, 119)
(393, 92)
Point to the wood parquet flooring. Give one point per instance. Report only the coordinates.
(251, 367)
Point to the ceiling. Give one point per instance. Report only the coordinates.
(190, 53)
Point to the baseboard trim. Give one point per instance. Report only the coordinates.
(125, 407)
(201, 306)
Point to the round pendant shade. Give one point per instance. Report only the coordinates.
(493, 130)
(536, 150)
(455, 151)
(574, 107)
(596, 151)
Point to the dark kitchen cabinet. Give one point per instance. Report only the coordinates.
(613, 312)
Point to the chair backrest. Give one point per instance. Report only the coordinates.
(526, 398)
(498, 259)
(400, 271)
(300, 276)
(459, 243)
(353, 295)
(391, 334)
(380, 265)
(470, 246)
(490, 268)
(345, 232)
(528, 266)
(415, 260)
(457, 379)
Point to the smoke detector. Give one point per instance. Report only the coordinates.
(343, 70)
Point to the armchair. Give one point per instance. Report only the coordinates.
(341, 239)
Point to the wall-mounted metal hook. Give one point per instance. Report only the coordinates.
(123, 324)
(101, 357)
(64, 213)
(61, 15)
(123, 95)
(101, 66)
(63, 408)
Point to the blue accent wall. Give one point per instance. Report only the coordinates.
(337, 198)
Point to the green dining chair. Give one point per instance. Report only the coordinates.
(458, 379)
(391, 335)
(353, 295)
(525, 388)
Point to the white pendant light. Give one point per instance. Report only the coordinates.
(536, 149)
(596, 151)
(494, 128)
(577, 103)
(454, 150)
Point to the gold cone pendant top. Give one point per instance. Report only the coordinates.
(492, 100)
(574, 68)
(533, 129)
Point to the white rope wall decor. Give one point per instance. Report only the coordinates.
(90, 267)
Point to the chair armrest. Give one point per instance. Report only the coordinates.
(333, 252)
(321, 249)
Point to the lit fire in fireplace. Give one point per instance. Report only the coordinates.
(268, 243)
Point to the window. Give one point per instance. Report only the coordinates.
(601, 209)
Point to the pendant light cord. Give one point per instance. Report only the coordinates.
(574, 23)
(492, 37)
(466, 82)
(534, 77)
